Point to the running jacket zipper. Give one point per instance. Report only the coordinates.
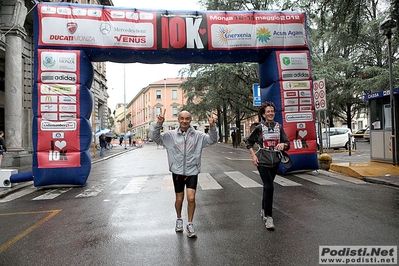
(185, 151)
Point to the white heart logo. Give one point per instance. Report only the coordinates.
(60, 144)
(302, 133)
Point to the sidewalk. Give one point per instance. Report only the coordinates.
(359, 165)
(115, 151)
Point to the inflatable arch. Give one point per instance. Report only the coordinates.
(68, 37)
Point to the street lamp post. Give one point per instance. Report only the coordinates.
(124, 101)
(387, 27)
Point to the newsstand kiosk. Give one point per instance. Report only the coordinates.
(380, 121)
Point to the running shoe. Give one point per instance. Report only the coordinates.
(262, 214)
(269, 223)
(179, 225)
(191, 231)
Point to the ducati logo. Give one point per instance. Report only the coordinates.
(72, 27)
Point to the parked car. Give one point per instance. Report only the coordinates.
(366, 136)
(338, 138)
(360, 133)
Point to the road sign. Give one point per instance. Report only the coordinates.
(256, 92)
(319, 95)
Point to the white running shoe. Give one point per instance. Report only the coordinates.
(269, 223)
(179, 225)
(191, 231)
(262, 214)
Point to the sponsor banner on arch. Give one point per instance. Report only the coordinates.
(108, 27)
(58, 109)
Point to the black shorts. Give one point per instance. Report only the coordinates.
(179, 181)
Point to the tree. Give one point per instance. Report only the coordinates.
(226, 88)
(347, 49)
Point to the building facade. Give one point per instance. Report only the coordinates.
(144, 108)
(16, 79)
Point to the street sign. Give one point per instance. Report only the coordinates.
(256, 92)
(319, 95)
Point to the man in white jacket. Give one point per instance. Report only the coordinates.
(184, 147)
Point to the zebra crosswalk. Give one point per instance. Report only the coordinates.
(164, 182)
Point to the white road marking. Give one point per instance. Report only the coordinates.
(237, 159)
(242, 180)
(285, 182)
(19, 194)
(135, 185)
(52, 194)
(315, 179)
(207, 182)
(282, 181)
(95, 190)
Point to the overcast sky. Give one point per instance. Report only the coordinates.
(139, 75)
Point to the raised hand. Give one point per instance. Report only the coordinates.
(211, 120)
(161, 117)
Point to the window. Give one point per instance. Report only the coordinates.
(159, 95)
(387, 116)
(158, 111)
(380, 115)
(174, 111)
(174, 94)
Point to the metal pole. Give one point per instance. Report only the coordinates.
(320, 134)
(124, 100)
(391, 97)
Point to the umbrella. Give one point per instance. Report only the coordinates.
(234, 128)
(101, 131)
(109, 134)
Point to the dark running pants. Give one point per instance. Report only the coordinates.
(267, 175)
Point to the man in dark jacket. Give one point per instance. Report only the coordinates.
(103, 144)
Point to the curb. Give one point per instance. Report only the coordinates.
(15, 188)
(380, 181)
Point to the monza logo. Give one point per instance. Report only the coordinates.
(48, 61)
(72, 27)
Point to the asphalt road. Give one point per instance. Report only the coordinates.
(125, 216)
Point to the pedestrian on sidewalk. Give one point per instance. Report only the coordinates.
(234, 138)
(184, 148)
(270, 137)
(3, 148)
(120, 140)
(103, 144)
